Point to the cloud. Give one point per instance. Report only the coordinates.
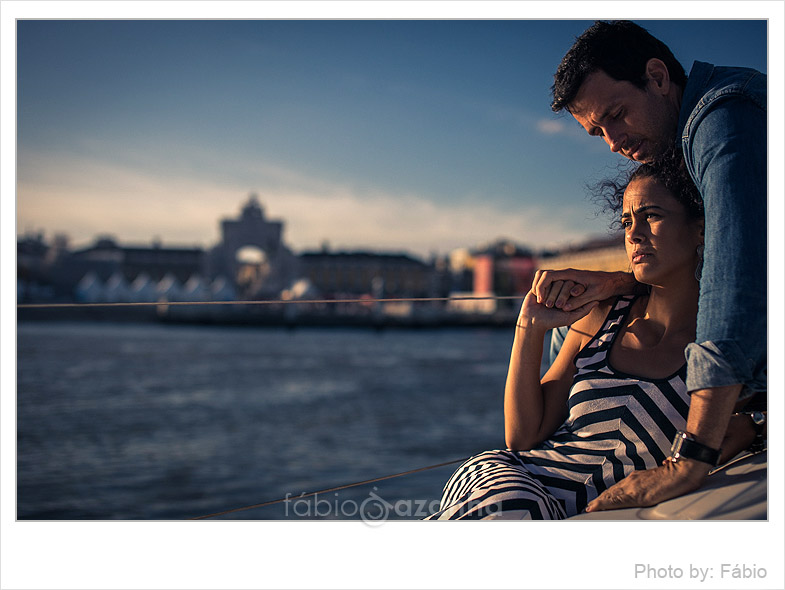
(86, 197)
(564, 126)
(551, 127)
(406, 222)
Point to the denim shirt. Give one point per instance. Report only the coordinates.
(722, 126)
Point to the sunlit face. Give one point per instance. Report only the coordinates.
(639, 124)
(660, 238)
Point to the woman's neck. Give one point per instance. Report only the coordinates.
(673, 308)
(652, 341)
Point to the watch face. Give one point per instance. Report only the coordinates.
(758, 417)
(676, 446)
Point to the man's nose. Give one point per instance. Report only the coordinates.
(614, 140)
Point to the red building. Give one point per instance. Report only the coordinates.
(503, 269)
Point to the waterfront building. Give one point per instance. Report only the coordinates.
(253, 255)
(195, 289)
(503, 268)
(117, 288)
(143, 289)
(606, 254)
(33, 257)
(335, 274)
(106, 258)
(221, 289)
(89, 289)
(169, 289)
(157, 262)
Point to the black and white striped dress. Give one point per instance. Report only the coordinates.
(617, 423)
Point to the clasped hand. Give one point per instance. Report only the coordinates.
(570, 289)
(562, 297)
(542, 317)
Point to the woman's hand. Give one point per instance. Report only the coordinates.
(570, 289)
(544, 318)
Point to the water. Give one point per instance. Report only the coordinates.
(149, 421)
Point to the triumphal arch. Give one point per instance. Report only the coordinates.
(252, 254)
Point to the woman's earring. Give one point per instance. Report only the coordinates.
(699, 267)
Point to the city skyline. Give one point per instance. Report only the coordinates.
(421, 136)
(101, 238)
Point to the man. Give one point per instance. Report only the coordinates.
(622, 84)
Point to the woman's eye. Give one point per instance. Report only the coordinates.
(626, 224)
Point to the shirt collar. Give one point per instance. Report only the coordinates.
(699, 77)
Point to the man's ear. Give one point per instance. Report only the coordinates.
(657, 73)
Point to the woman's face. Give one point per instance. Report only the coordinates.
(660, 238)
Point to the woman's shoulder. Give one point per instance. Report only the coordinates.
(592, 323)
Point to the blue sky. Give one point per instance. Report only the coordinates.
(405, 135)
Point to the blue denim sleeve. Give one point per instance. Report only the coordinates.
(557, 340)
(725, 149)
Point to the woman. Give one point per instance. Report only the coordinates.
(615, 396)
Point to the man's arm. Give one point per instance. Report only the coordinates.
(569, 289)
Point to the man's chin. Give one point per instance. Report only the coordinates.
(643, 155)
(651, 153)
(640, 158)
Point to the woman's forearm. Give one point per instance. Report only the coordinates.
(534, 407)
(524, 406)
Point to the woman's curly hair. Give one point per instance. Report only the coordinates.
(670, 170)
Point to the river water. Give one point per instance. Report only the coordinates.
(152, 421)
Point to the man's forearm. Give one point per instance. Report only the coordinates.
(625, 284)
(709, 415)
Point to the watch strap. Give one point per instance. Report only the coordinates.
(685, 446)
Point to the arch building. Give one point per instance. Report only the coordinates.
(252, 253)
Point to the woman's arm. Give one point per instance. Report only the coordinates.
(534, 408)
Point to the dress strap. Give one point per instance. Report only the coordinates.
(611, 326)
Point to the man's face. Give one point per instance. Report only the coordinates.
(640, 124)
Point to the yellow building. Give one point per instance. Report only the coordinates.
(606, 255)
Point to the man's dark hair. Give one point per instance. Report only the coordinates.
(621, 49)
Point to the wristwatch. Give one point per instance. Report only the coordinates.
(758, 422)
(684, 445)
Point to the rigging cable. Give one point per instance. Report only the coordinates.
(328, 490)
(266, 301)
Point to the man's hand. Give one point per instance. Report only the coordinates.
(708, 419)
(652, 486)
(570, 289)
(544, 318)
